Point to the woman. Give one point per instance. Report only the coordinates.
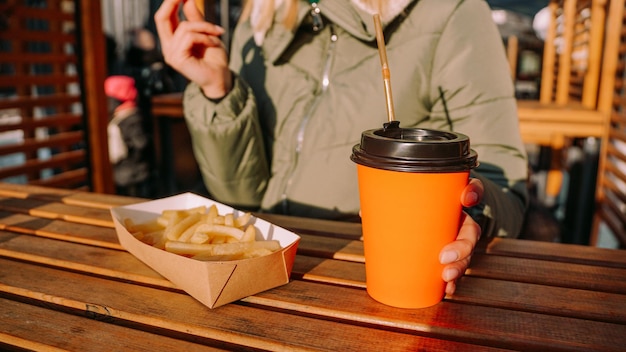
(273, 124)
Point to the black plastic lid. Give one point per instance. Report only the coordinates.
(414, 150)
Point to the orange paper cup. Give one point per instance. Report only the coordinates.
(410, 185)
(407, 219)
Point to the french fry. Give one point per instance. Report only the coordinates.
(222, 249)
(219, 239)
(220, 230)
(258, 249)
(200, 6)
(188, 249)
(157, 238)
(229, 220)
(199, 237)
(149, 226)
(243, 220)
(251, 253)
(219, 220)
(249, 234)
(239, 247)
(171, 217)
(173, 232)
(189, 232)
(212, 212)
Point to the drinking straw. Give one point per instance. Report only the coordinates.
(385, 67)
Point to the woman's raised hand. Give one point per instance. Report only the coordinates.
(193, 47)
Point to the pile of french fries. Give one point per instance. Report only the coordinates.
(202, 233)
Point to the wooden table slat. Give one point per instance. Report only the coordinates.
(91, 260)
(568, 275)
(336, 248)
(14, 190)
(88, 199)
(59, 229)
(557, 252)
(520, 296)
(53, 210)
(48, 330)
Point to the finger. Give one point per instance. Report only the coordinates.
(199, 33)
(463, 246)
(450, 287)
(166, 19)
(202, 27)
(187, 44)
(454, 271)
(472, 193)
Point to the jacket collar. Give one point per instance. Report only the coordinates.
(353, 18)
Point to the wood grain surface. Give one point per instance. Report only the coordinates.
(63, 273)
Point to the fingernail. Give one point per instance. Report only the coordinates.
(450, 274)
(448, 257)
(471, 197)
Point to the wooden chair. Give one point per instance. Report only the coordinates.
(52, 70)
(568, 104)
(611, 181)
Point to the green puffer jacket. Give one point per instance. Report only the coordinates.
(281, 140)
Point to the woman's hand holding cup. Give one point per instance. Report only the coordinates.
(456, 255)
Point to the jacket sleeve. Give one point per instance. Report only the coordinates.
(228, 144)
(471, 70)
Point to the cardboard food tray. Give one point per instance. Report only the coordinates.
(212, 283)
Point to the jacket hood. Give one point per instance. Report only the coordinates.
(352, 16)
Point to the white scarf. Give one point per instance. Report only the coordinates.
(392, 9)
(255, 19)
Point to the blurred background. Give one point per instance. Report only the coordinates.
(559, 211)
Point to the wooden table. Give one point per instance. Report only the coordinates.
(66, 284)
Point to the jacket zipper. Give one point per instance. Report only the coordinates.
(305, 120)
